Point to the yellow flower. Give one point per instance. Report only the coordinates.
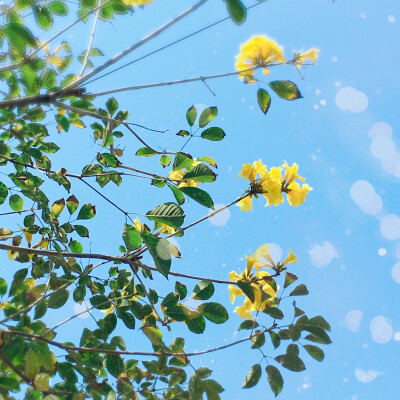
(137, 2)
(246, 203)
(138, 225)
(297, 195)
(291, 173)
(178, 175)
(258, 51)
(311, 55)
(290, 259)
(166, 229)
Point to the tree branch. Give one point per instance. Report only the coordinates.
(136, 45)
(132, 353)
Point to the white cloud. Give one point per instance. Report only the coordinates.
(321, 255)
(366, 376)
(381, 329)
(364, 195)
(353, 320)
(350, 99)
(390, 226)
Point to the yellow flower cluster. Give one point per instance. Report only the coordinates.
(258, 51)
(301, 58)
(271, 185)
(261, 51)
(179, 174)
(137, 2)
(264, 294)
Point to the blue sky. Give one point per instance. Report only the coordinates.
(344, 136)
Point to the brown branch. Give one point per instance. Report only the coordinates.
(111, 120)
(132, 353)
(123, 260)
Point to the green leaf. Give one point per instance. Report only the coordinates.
(286, 90)
(196, 325)
(274, 312)
(179, 197)
(87, 211)
(9, 383)
(275, 339)
(168, 213)
(248, 324)
(127, 318)
(199, 195)
(57, 208)
(191, 115)
(58, 298)
(114, 364)
(315, 352)
(183, 133)
(63, 122)
(320, 322)
(4, 194)
(100, 302)
(247, 289)
(16, 202)
(81, 230)
(131, 237)
(19, 36)
(207, 116)
(145, 152)
(264, 100)
(275, 379)
(318, 335)
(291, 362)
(200, 173)
(252, 377)
(3, 286)
(159, 250)
(212, 389)
(258, 340)
(289, 279)
(208, 160)
(153, 333)
(58, 8)
(292, 349)
(214, 312)
(43, 17)
(182, 160)
(72, 204)
(165, 160)
(203, 290)
(300, 290)
(181, 289)
(75, 246)
(215, 134)
(237, 11)
(112, 106)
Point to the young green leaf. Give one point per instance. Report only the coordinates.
(131, 237)
(252, 377)
(72, 204)
(264, 100)
(207, 116)
(214, 134)
(203, 290)
(16, 202)
(191, 115)
(87, 211)
(286, 90)
(275, 379)
(237, 11)
(199, 195)
(145, 152)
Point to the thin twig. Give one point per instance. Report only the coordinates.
(136, 45)
(166, 46)
(91, 39)
(132, 353)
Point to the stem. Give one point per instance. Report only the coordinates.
(91, 39)
(136, 45)
(131, 353)
(176, 82)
